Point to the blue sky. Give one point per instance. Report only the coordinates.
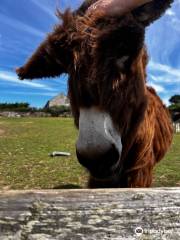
(25, 23)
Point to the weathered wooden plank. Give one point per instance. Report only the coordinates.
(107, 214)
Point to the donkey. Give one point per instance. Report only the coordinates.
(124, 128)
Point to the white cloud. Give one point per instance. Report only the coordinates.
(48, 94)
(45, 8)
(172, 73)
(164, 78)
(14, 23)
(166, 100)
(10, 77)
(157, 87)
(170, 12)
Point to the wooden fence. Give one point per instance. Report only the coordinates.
(112, 214)
(176, 127)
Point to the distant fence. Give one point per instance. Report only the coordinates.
(176, 127)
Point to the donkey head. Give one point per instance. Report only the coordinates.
(105, 58)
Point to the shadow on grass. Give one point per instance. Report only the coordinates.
(68, 186)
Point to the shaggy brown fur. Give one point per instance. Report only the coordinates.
(91, 51)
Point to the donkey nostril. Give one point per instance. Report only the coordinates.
(111, 159)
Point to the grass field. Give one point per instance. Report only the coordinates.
(24, 162)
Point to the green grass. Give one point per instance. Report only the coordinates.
(167, 172)
(24, 162)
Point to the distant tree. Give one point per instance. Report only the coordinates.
(175, 107)
(175, 99)
(16, 107)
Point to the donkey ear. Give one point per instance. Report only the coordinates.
(45, 62)
(151, 11)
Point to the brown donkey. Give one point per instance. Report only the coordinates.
(124, 128)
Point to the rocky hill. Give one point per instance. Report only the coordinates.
(59, 100)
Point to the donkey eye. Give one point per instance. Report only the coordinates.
(121, 62)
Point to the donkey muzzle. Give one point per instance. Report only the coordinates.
(99, 144)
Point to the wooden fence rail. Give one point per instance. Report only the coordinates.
(107, 214)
